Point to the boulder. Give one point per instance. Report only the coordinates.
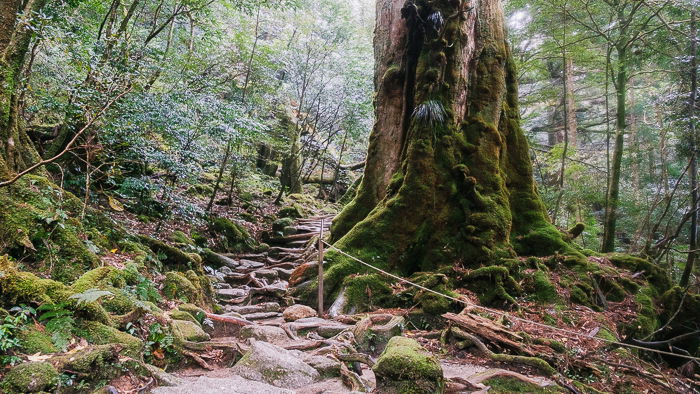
(269, 334)
(188, 331)
(31, 378)
(405, 367)
(271, 364)
(298, 311)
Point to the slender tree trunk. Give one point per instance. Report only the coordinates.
(693, 243)
(453, 164)
(610, 225)
(570, 126)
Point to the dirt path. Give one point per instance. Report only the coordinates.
(251, 289)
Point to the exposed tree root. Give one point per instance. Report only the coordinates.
(536, 362)
(353, 380)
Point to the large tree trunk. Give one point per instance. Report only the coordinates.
(16, 149)
(448, 177)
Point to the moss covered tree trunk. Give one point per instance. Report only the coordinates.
(16, 150)
(448, 177)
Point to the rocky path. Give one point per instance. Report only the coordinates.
(282, 347)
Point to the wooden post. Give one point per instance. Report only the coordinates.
(320, 270)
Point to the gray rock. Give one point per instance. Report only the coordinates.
(250, 264)
(266, 274)
(228, 294)
(264, 307)
(272, 334)
(228, 385)
(298, 311)
(225, 270)
(326, 366)
(271, 364)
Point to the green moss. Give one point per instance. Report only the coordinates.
(577, 295)
(188, 331)
(647, 317)
(293, 211)
(656, 275)
(200, 189)
(364, 292)
(34, 341)
(172, 257)
(543, 290)
(100, 334)
(606, 334)
(181, 238)
(279, 225)
(430, 303)
(230, 236)
(103, 277)
(492, 284)
(182, 315)
(405, 367)
(198, 313)
(96, 362)
(186, 287)
(38, 224)
(31, 377)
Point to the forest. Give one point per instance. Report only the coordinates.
(387, 196)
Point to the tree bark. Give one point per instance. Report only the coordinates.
(610, 224)
(449, 178)
(391, 109)
(16, 149)
(693, 243)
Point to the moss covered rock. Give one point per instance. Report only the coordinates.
(33, 229)
(229, 236)
(198, 313)
(405, 367)
(100, 334)
(292, 211)
(97, 363)
(185, 287)
(173, 258)
(279, 225)
(32, 377)
(182, 315)
(34, 341)
(188, 331)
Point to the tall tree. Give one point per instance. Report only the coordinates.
(16, 18)
(692, 103)
(448, 177)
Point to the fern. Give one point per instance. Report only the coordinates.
(431, 113)
(59, 322)
(90, 295)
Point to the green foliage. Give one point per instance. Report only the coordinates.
(59, 321)
(9, 331)
(158, 343)
(90, 295)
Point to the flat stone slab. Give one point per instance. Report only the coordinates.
(248, 309)
(271, 334)
(229, 385)
(271, 364)
(231, 293)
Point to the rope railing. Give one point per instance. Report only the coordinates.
(567, 333)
